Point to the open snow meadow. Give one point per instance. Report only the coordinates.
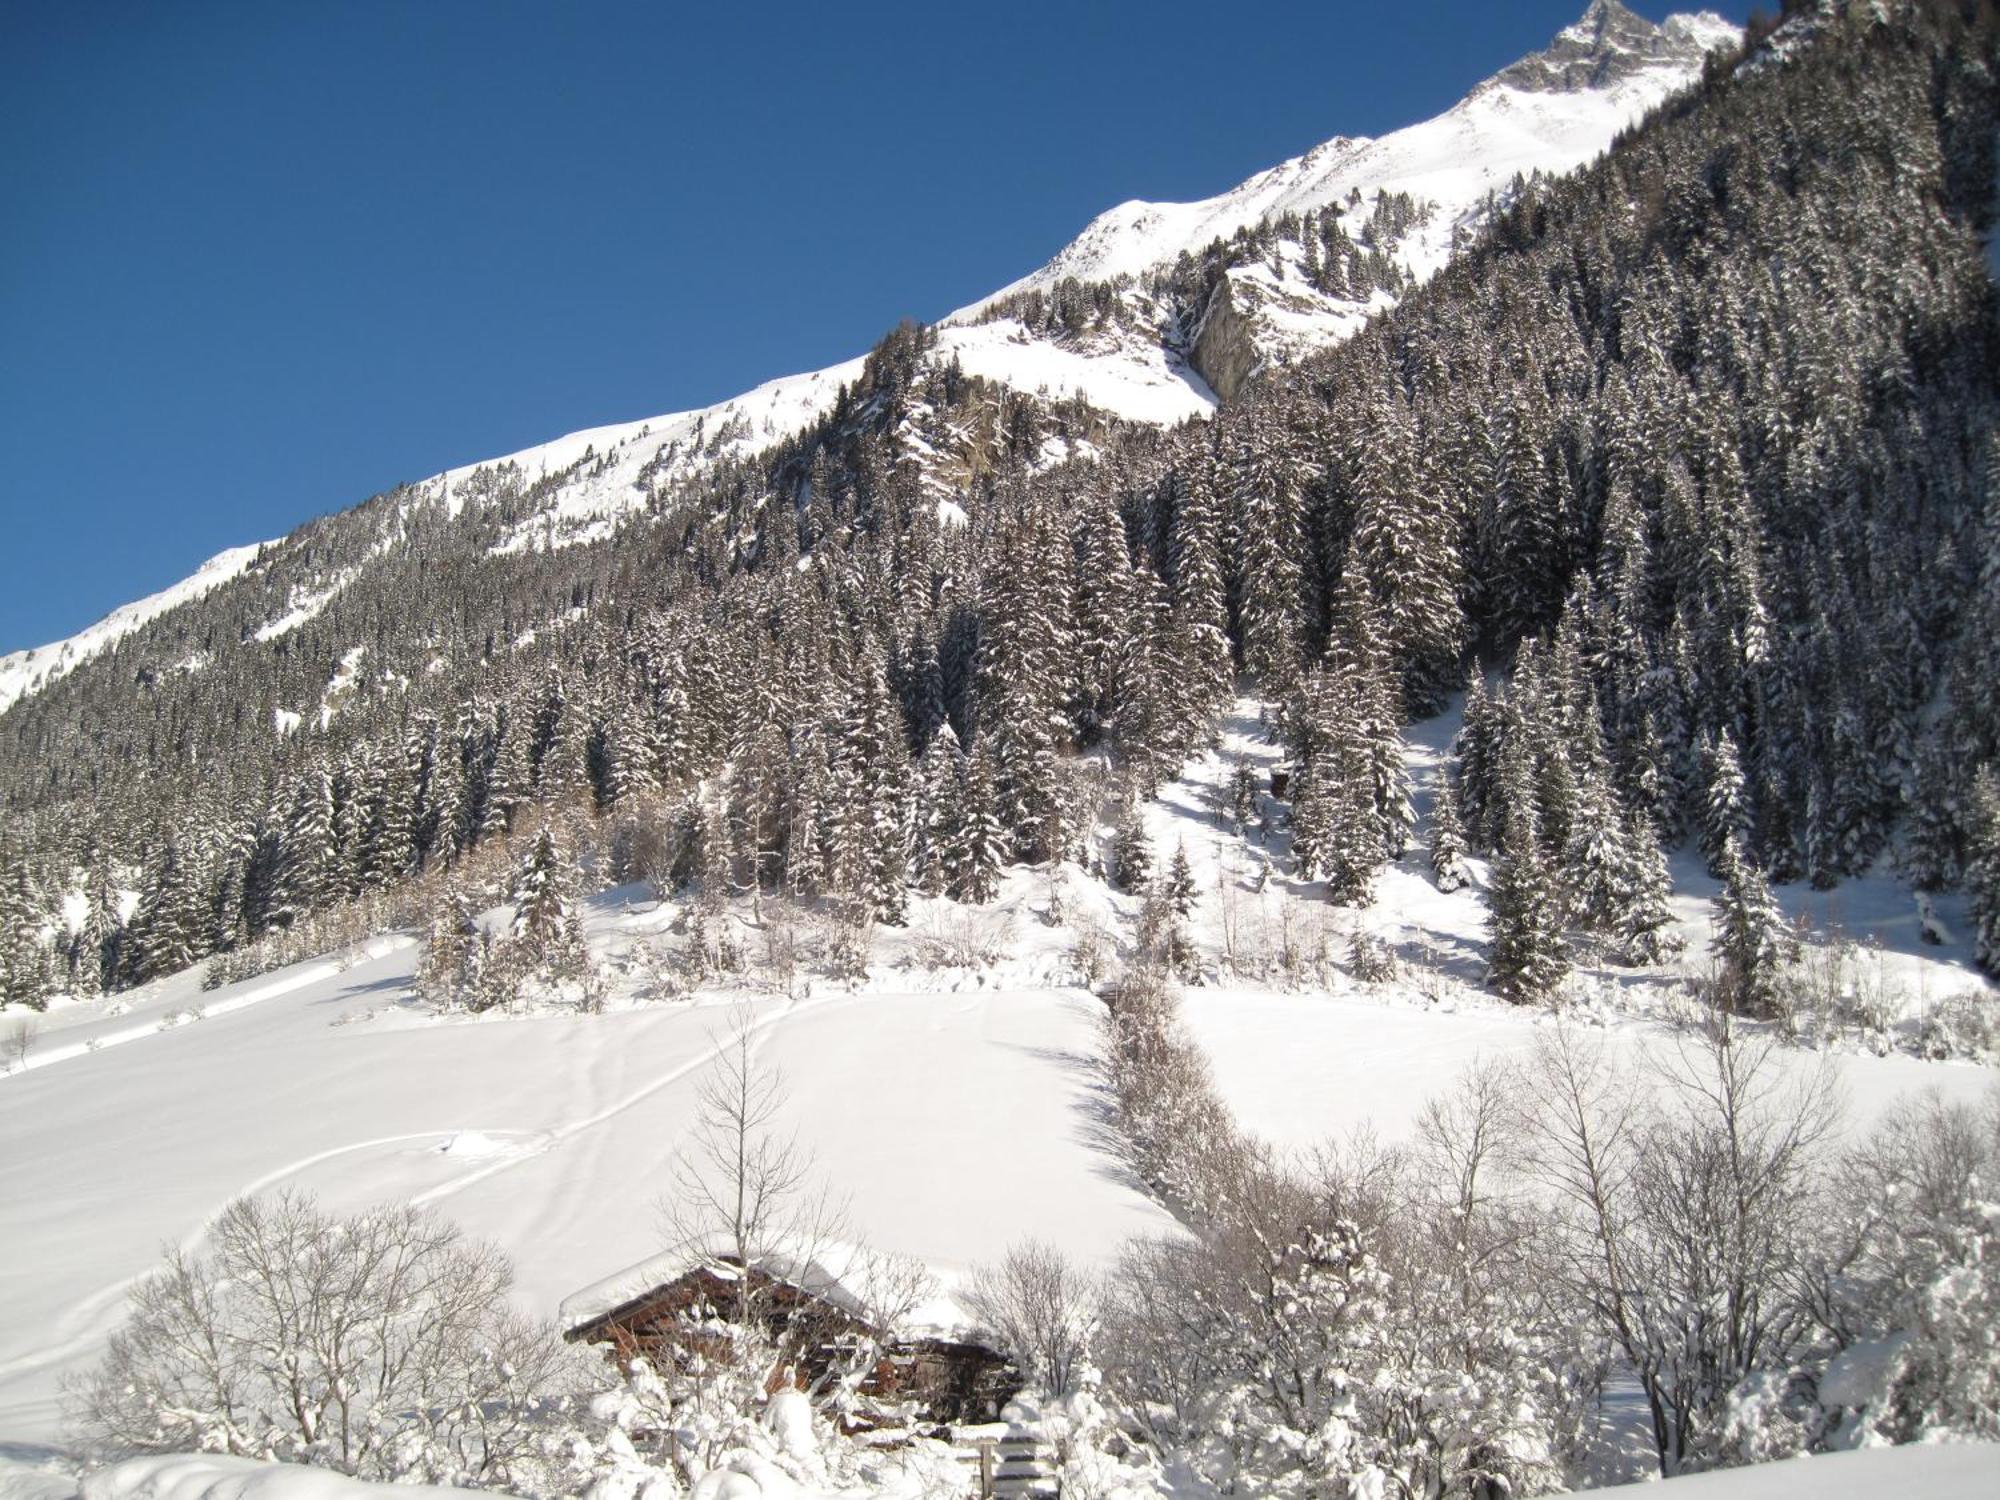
(955, 1094)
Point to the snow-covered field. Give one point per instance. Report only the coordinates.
(957, 1123)
(959, 1108)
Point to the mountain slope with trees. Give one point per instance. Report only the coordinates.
(1694, 447)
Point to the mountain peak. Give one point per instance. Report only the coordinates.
(1610, 42)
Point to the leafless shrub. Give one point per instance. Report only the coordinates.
(1090, 952)
(1370, 958)
(962, 938)
(20, 1042)
(1042, 1308)
(1962, 1024)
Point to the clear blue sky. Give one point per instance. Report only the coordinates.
(259, 261)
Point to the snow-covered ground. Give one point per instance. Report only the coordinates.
(957, 1123)
(956, 1103)
(1963, 1471)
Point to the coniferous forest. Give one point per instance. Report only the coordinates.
(1644, 555)
(1686, 469)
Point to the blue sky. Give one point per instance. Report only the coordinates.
(263, 260)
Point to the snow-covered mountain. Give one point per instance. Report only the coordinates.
(1156, 363)
(1549, 112)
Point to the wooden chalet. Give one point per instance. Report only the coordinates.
(931, 1379)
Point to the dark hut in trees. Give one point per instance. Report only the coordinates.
(824, 1335)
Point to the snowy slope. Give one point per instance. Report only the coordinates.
(1547, 113)
(553, 1135)
(25, 672)
(1960, 1471)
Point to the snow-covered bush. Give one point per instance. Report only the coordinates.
(382, 1345)
(1907, 1289)
(1376, 1323)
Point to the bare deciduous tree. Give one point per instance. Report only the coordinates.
(1684, 1213)
(381, 1345)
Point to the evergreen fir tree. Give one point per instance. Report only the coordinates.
(1645, 926)
(1982, 873)
(1178, 890)
(1448, 846)
(166, 932)
(1750, 936)
(1131, 852)
(545, 923)
(1530, 956)
(1726, 813)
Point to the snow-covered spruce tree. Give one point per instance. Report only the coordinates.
(971, 842)
(1336, 818)
(1023, 667)
(1752, 943)
(1195, 583)
(1529, 957)
(940, 777)
(1131, 851)
(1726, 807)
(166, 933)
(1645, 929)
(1982, 867)
(1178, 889)
(457, 958)
(546, 931)
(872, 787)
(308, 859)
(1448, 846)
(26, 967)
(1263, 480)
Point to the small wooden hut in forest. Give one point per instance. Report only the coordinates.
(821, 1329)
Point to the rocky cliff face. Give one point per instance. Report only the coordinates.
(1225, 349)
(1610, 43)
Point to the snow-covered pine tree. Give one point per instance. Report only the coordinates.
(1751, 940)
(1178, 889)
(1131, 851)
(979, 851)
(308, 858)
(454, 969)
(1264, 501)
(872, 784)
(546, 925)
(166, 933)
(1726, 808)
(26, 969)
(1448, 845)
(1645, 927)
(1982, 867)
(1529, 958)
(1199, 594)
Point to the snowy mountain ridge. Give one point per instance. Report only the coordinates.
(1548, 113)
